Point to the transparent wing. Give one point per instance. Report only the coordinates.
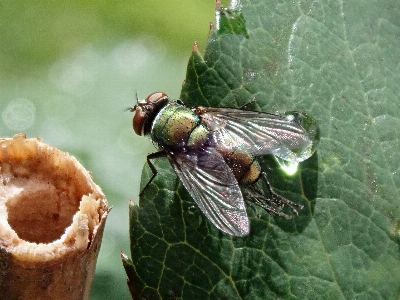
(258, 133)
(214, 188)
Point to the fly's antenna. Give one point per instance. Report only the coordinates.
(133, 108)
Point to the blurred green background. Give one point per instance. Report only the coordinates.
(68, 70)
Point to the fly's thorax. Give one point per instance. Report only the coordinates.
(198, 137)
(174, 125)
(243, 165)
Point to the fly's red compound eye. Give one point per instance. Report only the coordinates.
(155, 98)
(139, 120)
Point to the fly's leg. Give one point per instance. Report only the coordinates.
(272, 204)
(278, 199)
(243, 107)
(259, 199)
(152, 167)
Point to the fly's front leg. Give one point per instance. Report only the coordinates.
(278, 199)
(152, 167)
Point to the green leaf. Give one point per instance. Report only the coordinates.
(338, 61)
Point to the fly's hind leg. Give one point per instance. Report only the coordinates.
(278, 199)
(243, 107)
(152, 167)
(270, 205)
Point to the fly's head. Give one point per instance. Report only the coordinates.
(146, 110)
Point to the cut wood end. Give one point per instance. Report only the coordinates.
(52, 217)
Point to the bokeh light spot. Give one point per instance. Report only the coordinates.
(19, 114)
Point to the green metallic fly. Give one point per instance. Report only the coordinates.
(213, 150)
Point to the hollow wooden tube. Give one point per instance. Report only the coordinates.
(52, 217)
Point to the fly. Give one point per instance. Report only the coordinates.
(213, 150)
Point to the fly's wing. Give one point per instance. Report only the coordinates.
(258, 133)
(214, 188)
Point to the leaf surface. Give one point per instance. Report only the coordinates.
(338, 61)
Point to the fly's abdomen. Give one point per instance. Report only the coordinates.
(243, 165)
(177, 125)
